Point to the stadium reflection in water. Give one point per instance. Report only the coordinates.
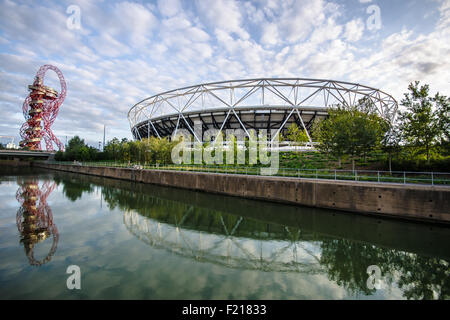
(35, 219)
(224, 244)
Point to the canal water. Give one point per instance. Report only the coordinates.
(136, 241)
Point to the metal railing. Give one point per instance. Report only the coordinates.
(403, 177)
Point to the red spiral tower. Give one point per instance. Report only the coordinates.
(40, 109)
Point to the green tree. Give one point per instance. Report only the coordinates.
(443, 122)
(350, 130)
(295, 134)
(420, 124)
(93, 154)
(84, 153)
(112, 149)
(391, 142)
(74, 148)
(60, 156)
(370, 130)
(157, 150)
(124, 151)
(329, 133)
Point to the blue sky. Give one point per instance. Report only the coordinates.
(125, 51)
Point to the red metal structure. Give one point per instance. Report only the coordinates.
(40, 110)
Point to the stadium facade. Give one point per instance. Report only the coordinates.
(267, 103)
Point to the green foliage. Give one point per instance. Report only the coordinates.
(295, 134)
(421, 134)
(350, 130)
(443, 123)
(152, 150)
(436, 164)
(420, 277)
(112, 149)
(155, 150)
(426, 119)
(77, 149)
(59, 156)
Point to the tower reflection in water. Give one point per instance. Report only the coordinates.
(34, 218)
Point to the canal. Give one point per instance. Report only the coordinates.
(138, 241)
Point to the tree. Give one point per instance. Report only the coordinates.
(370, 130)
(93, 154)
(124, 151)
(296, 135)
(77, 149)
(329, 134)
(74, 148)
(112, 148)
(159, 150)
(391, 142)
(420, 124)
(84, 153)
(443, 114)
(351, 130)
(60, 156)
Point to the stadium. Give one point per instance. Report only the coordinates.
(267, 103)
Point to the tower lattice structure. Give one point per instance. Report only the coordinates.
(40, 109)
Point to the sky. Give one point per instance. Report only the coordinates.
(113, 54)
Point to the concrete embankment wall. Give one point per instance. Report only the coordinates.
(15, 163)
(414, 202)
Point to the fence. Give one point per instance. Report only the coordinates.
(404, 177)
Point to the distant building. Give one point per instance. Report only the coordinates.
(12, 146)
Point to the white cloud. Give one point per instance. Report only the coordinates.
(108, 46)
(270, 34)
(354, 30)
(444, 20)
(224, 15)
(328, 31)
(134, 20)
(294, 21)
(169, 8)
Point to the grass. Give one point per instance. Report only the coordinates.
(317, 160)
(314, 165)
